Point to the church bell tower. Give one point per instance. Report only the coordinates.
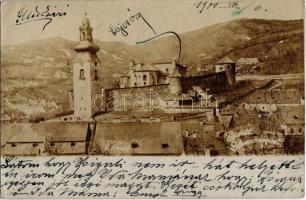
(85, 72)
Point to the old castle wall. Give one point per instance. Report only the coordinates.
(140, 98)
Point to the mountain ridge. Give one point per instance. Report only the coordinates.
(43, 68)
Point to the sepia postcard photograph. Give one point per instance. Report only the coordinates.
(145, 84)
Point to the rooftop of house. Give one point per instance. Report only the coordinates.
(247, 61)
(130, 115)
(142, 67)
(289, 96)
(225, 60)
(39, 132)
(293, 115)
(147, 67)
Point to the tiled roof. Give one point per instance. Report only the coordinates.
(293, 115)
(147, 67)
(38, 132)
(291, 96)
(225, 60)
(247, 61)
(85, 44)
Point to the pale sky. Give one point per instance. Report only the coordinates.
(171, 15)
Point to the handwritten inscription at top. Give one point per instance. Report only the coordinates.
(123, 27)
(39, 13)
(236, 6)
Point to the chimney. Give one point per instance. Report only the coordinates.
(70, 100)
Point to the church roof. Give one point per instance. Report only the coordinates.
(225, 60)
(147, 67)
(85, 44)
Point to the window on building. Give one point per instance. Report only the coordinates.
(52, 144)
(72, 144)
(35, 145)
(96, 75)
(135, 84)
(13, 145)
(165, 146)
(144, 77)
(96, 63)
(144, 83)
(134, 145)
(167, 70)
(82, 74)
(83, 35)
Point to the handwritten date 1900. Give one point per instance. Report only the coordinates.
(236, 5)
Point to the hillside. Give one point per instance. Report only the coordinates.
(41, 69)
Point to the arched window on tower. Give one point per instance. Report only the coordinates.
(82, 74)
(83, 35)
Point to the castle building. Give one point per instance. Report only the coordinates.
(229, 67)
(154, 74)
(85, 73)
(162, 79)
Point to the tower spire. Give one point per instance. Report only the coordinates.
(85, 72)
(86, 40)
